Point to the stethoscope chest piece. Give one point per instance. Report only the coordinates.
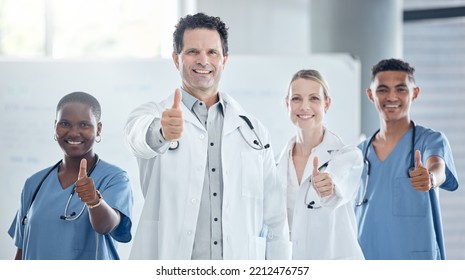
(174, 145)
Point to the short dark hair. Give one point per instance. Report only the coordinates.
(82, 97)
(199, 20)
(393, 64)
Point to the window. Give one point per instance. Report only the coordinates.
(435, 47)
(87, 28)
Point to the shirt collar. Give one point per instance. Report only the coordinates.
(189, 101)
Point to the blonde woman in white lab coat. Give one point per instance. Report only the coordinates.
(322, 176)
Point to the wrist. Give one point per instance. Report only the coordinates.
(90, 206)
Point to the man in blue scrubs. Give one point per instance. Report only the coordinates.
(398, 209)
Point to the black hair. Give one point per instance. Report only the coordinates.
(199, 20)
(393, 64)
(82, 97)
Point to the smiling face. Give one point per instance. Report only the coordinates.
(392, 92)
(201, 62)
(307, 104)
(76, 128)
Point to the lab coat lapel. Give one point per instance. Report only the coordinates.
(231, 115)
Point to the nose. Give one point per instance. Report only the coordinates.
(305, 104)
(202, 59)
(392, 95)
(74, 130)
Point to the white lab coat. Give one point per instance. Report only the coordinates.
(172, 182)
(329, 232)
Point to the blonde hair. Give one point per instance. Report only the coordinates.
(314, 75)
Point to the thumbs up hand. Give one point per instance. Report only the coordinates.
(85, 188)
(322, 182)
(172, 121)
(419, 175)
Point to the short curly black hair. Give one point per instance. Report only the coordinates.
(81, 97)
(393, 64)
(199, 20)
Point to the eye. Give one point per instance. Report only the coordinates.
(64, 124)
(191, 52)
(314, 98)
(381, 90)
(295, 98)
(84, 125)
(213, 52)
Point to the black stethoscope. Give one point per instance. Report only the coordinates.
(256, 144)
(368, 164)
(311, 205)
(65, 216)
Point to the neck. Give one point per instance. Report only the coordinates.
(393, 129)
(307, 140)
(209, 96)
(73, 163)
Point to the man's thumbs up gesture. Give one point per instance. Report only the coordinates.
(322, 182)
(419, 176)
(172, 121)
(85, 186)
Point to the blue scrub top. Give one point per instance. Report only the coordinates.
(399, 222)
(46, 236)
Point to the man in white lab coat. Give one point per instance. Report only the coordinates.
(207, 169)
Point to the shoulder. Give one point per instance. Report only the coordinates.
(232, 104)
(105, 169)
(42, 173)
(426, 135)
(33, 181)
(333, 138)
(427, 132)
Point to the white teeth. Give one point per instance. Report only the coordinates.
(305, 116)
(391, 106)
(74, 143)
(202, 71)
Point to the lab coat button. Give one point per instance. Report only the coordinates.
(202, 136)
(189, 232)
(194, 201)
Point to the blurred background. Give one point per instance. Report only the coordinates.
(96, 41)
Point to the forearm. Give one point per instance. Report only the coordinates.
(104, 218)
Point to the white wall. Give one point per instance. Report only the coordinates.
(30, 90)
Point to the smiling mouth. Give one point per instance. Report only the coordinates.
(305, 116)
(202, 71)
(74, 142)
(391, 106)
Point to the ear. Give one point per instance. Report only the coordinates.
(327, 103)
(99, 128)
(225, 59)
(175, 57)
(416, 93)
(370, 95)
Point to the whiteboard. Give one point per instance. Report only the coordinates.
(30, 90)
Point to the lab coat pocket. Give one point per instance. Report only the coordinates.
(252, 174)
(257, 247)
(406, 201)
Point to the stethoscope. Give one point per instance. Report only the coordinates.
(256, 144)
(368, 164)
(311, 204)
(72, 216)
